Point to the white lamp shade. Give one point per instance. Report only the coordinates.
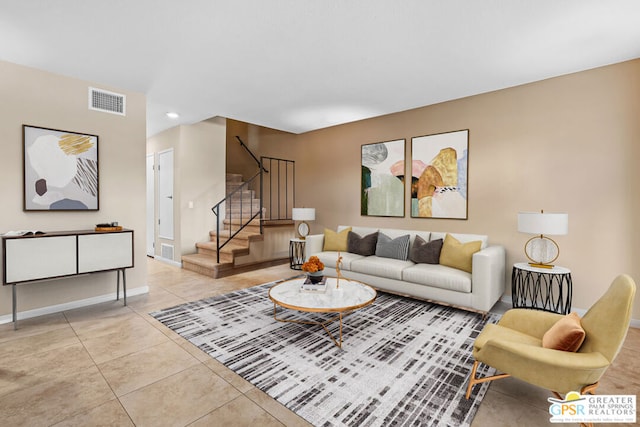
(543, 223)
(303, 214)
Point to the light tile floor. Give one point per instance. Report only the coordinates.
(113, 365)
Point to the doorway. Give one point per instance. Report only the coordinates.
(165, 194)
(151, 212)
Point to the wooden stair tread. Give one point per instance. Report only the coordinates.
(277, 222)
(230, 248)
(238, 221)
(242, 236)
(204, 260)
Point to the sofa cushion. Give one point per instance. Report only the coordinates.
(362, 245)
(425, 252)
(463, 238)
(380, 266)
(458, 255)
(363, 231)
(397, 248)
(438, 276)
(329, 259)
(335, 241)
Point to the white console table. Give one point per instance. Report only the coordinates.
(64, 254)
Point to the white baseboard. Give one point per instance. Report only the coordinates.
(167, 261)
(8, 318)
(635, 323)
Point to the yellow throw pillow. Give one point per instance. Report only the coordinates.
(334, 241)
(458, 255)
(566, 334)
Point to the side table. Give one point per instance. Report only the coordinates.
(547, 289)
(296, 253)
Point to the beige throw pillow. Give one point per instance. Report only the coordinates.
(334, 241)
(566, 334)
(458, 255)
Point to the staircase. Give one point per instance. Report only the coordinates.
(246, 218)
(241, 207)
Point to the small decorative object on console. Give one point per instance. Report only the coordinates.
(108, 226)
(23, 233)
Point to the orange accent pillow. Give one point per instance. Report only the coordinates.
(566, 334)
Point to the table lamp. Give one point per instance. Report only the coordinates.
(303, 215)
(541, 250)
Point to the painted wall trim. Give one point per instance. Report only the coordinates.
(168, 261)
(72, 305)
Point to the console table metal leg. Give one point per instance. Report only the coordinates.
(124, 285)
(15, 313)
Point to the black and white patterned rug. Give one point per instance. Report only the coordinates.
(403, 361)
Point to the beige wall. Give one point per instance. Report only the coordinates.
(199, 177)
(260, 140)
(567, 144)
(238, 160)
(48, 100)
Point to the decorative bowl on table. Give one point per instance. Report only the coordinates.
(314, 269)
(316, 276)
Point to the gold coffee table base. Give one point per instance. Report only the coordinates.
(324, 324)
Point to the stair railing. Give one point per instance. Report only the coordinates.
(243, 145)
(278, 192)
(252, 214)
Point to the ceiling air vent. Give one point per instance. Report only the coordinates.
(109, 102)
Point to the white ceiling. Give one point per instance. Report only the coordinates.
(300, 65)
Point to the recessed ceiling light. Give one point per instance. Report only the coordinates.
(173, 115)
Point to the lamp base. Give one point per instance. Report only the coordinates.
(535, 264)
(303, 230)
(541, 251)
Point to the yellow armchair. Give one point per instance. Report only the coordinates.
(514, 345)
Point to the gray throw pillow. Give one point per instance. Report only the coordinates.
(397, 248)
(426, 252)
(362, 245)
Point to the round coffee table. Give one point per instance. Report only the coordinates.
(349, 296)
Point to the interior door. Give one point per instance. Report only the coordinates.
(151, 211)
(165, 194)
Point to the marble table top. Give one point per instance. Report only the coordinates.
(349, 296)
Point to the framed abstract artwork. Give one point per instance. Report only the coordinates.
(60, 170)
(439, 175)
(382, 179)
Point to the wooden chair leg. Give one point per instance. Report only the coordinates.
(584, 390)
(473, 380)
(590, 389)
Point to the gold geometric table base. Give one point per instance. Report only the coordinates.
(324, 324)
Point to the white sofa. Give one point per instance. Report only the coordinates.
(475, 291)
